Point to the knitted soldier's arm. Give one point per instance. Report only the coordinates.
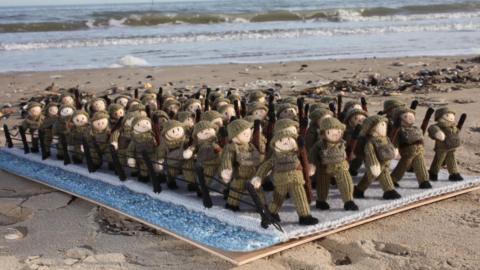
(371, 161)
(227, 156)
(433, 130)
(313, 156)
(310, 137)
(265, 168)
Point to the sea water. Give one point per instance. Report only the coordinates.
(211, 32)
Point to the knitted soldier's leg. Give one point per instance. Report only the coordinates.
(96, 159)
(386, 180)
(171, 181)
(47, 140)
(355, 165)
(403, 165)
(299, 199)
(237, 185)
(189, 171)
(366, 181)
(122, 156)
(437, 161)
(323, 186)
(279, 195)
(209, 172)
(77, 155)
(345, 185)
(59, 147)
(142, 168)
(420, 168)
(451, 162)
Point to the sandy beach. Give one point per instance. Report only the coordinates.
(62, 232)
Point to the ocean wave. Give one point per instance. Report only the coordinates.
(155, 17)
(232, 35)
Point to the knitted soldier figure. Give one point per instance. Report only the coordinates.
(220, 102)
(347, 107)
(286, 124)
(256, 96)
(239, 161)
(227, 111)
(286, 169)
(132, 102)
(171, 107)
(121, 137)
(149, 99)
(122, 100)
(316, 117)
(447, 140)
(389, 107)
(258, 111)
(97, 105)
(287, 110)
(352, 119)
(33, 122)
(214, 117)
(142, 140)
(410, 144)
(75, 135)
(170, 151)
(67, 99)
(234, 97)
(115, 113)
(51, 116)
(187, 118)
(62, 126)
(379, 151)
(99, 139)
(329, 157)
(192, 105)
(207, 151)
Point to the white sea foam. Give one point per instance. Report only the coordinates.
(132, 61)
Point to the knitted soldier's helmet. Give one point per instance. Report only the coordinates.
(370, 122)
(139, 118)
(319, 113)
(67, 94)
(285, 123)
(350, 105)
(113, 108)
(399, 111)
(210, 115)
(203, 125)
(122, 96)
(161, 114)
(184, 115)
(34, 104)
(170, 124)
(220, 100)
(98, 99)
(441, 112)
(51, 104)
(391, 104)
(68, 106)
(353, 112)
(283, 106)
(256, 106)
(136, 107)
(147, 97)
(224, 108)
(289, 100)
(255, 96)
(234, 97)
(316, 106)
(237, 126)
(190, 101)
(133, 101)
(79, 112)
(280, 135)
(214, 95)
(331, 123)
(170, 102)
(99, 115)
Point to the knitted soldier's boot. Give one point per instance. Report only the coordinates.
(432, 176)
(143, 178)
(357, 193)
(307, 220)
(350, 206)
(234, 208)
(425, 185)
(192, 187)
(455, 177)
(76, 160)
(171, 183)
(111, 167)
(134, 174)
(322, 205)
(268, 185)
(391, 195)
(276, 217)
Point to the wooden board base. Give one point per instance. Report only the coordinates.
(240, 258)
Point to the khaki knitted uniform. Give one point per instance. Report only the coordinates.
(445, 150)
(74, 138)
(138, 144)
(378, 151)
(330, 160)
(208, 156)
(243, 160)
(357, 162)
(102, 139)
(172, 154)
(32, 125)
(60, 128)
(47, 129)
(410, 145)
(288, 179)
(311, 136)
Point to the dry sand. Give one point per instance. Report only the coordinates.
(61, 232)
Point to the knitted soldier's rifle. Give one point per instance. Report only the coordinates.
(352, 144)
(256, 134)
(160, 98)
(271, 120)
(426, 119)
(364, 103)
(236, 106)
(243, 107)
(302, 152)
(300, 105)
(116, 163)
(304, 121)
(262, 210)
(207, 200)
(135, 93)
(339, 106)
(157, 188)
(8, 137)
(88, 155)
(461, 121)
(207, 100)
(78, 101)
(223, 136)
(331, 106)
(26, 149)
(156, 128)
(198, 115)
(43, 149)
(148, 111)
(66, 156)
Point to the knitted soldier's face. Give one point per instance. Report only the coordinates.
(189, 122)
(68, 100)
(380, 130)
(122, 101)
(194, 107)
(356, 120)
(66, 112)
(228, 113)
(119, 113)
(166, 99)
(142, 126)
(319, 120)
(35, 111)
(448, 117)
(286, 144)
(100, 124)
(175, 133)
(80, 120)
(206, 134)
(259, 114)
(99, 105)
(53, 110)
(244, 137)
(152, 103)
(333, 135)
(407, 119)
(173, 108)
(218, 122)
(289, 113)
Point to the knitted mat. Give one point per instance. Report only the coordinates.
(183, 214)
